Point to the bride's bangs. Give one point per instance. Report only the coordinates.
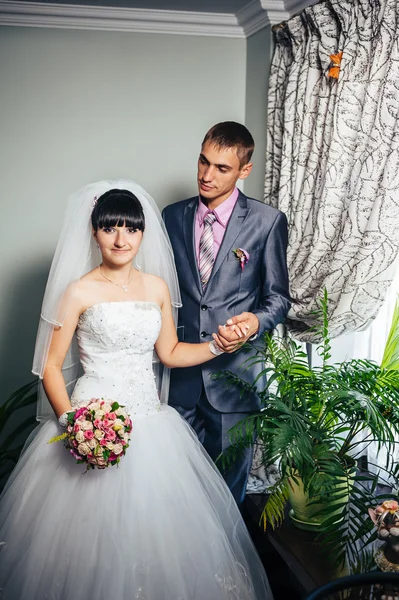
(118, 208)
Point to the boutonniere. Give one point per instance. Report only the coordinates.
(242, 255)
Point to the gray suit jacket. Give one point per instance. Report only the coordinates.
(261, 288)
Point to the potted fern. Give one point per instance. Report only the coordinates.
(314, 424)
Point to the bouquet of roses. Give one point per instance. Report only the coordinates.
(97, 434)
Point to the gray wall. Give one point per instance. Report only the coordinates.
(79, 106)
(258, 62)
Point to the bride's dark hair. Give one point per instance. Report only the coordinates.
(118, 207)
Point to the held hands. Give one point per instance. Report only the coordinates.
(236, 332)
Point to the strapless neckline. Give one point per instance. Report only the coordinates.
(137, 302)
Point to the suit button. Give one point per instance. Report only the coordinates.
(204, 307)
(203, 334)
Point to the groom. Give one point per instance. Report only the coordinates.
(230, 253)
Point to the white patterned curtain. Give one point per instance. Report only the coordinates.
(333, 157)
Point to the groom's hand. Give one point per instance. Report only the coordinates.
(236, 332)
(247, 322)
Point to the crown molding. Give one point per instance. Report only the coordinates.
(104, 18)
(277, 10)
(256, 15)
(253, 17)
(259, 14)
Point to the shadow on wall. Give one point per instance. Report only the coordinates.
(22, 310)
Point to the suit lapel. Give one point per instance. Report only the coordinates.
(189, 237)
(234, 226)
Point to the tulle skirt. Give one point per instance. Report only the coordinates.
(160, 526)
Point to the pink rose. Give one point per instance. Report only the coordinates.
(103, 442)
(112, 456)
(76, 427)
(81, 411)
(89, 434)
(107, 423)
(98, 423)
(111, 416)
(110, 435)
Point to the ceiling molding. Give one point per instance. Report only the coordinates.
(252, 18)
(256, 15)
(73, 16)
(282, 10)
(276, 10)
(259, 14)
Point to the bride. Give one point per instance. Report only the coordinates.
(163, 524)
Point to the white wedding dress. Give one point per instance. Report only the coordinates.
(161, 526)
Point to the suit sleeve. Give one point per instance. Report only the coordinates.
(275, 298)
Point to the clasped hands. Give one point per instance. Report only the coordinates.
(236, 331)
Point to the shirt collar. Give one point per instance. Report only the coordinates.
(222, 212)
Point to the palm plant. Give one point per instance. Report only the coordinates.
(314, 424)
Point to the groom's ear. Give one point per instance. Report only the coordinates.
(245, 171)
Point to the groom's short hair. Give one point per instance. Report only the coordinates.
(230, 134)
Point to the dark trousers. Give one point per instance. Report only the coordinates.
(211, 427)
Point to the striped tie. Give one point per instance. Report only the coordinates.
(206, 254)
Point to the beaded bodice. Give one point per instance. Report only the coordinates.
(116, 341)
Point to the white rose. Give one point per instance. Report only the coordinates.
(99, 414)
(121, 433)
(100, 461)
(120, 412)
(118, 449)
(94, 406)
(98, 434)
(84, 449)
(106, 408)
(86, 425)
(92, 443)
(110, 445)
(79, 436)
(126, 437)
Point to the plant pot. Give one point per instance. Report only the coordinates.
(304, 515)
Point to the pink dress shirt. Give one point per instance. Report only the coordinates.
(222, 213)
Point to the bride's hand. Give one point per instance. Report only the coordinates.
(228, 338)
(63, 419)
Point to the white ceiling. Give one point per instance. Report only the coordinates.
(210, 6)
